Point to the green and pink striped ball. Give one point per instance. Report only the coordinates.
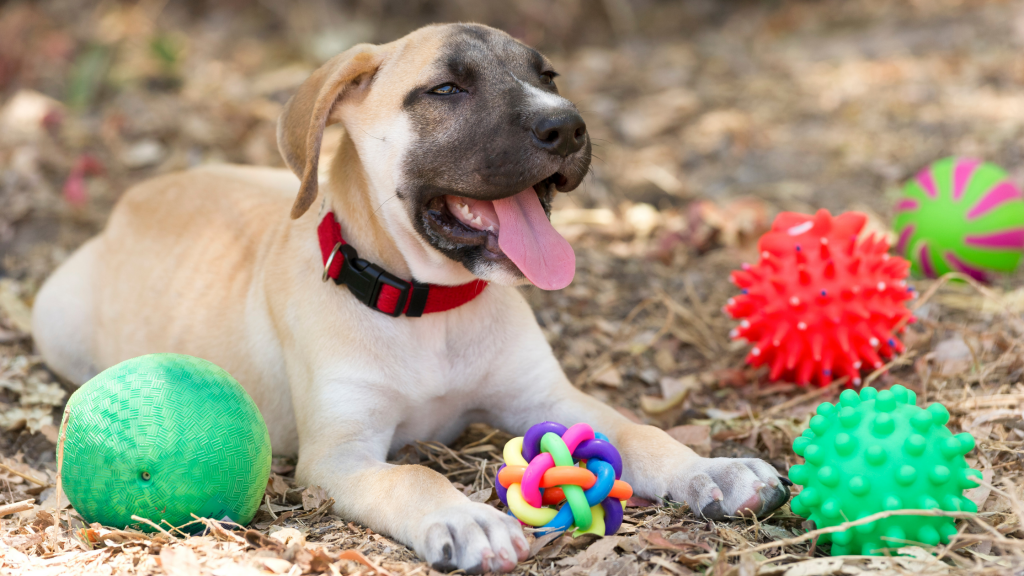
(960, 215)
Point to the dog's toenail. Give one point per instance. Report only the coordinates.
(751, 506)
(758, 485)
(785, 481)
(504, 554)
(522, 547)
(717, 495)
(713, 511)
(447, 552)
(773, 482)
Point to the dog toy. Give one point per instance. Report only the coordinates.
(819, 303)
(877, 451)
(961, 215)
(556, 478)
(163, 437)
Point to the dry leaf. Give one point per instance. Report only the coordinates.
(357, 556)
(313, 498)
(609, 377)
(276, 487)
(258, 540)
(179, 561)
(275, 565)
(696, 436)
(482, 495)
(287, 536)
(815, 567)
(980, 494)
(37, 392)
(658, 540)
(31, 417)
(17, 312)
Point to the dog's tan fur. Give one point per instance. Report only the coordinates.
(208, 262)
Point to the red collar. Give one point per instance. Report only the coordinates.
(378, 288)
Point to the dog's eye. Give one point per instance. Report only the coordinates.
(446, 89)
(548, 77)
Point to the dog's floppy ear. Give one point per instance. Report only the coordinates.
(301, 126)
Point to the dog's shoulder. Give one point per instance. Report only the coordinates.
(216, 192)
(262, 178)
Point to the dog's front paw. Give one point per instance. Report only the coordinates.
(718, 487)
(472, 537)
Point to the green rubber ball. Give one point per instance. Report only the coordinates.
(960, 215)
(163, 437)
(877, 451)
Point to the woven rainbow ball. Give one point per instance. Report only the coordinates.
(556, 478)
(960, 215)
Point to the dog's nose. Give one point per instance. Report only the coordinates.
(561, 134)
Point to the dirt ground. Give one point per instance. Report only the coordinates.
(708, 118)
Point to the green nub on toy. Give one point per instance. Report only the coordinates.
(877, 451)
(163, 437)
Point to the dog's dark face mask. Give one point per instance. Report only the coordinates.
(492, 142)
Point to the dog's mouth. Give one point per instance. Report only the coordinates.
(517, 227)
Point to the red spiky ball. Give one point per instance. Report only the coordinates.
(820, 303)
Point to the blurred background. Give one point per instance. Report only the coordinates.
(708, 118)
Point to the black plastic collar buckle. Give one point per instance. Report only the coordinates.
(365, 280)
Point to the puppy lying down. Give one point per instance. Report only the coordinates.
(455, 141)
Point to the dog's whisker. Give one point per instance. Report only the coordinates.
(386, 200)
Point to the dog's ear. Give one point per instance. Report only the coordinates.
(301, 126)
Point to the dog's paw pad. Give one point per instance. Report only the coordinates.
(472, 537)
(721, 487)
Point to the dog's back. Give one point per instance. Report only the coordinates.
(188, 221)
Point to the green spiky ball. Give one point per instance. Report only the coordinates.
(163, 437)
(877, 451)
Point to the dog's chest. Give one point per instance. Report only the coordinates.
(445, 359)
(445, 378)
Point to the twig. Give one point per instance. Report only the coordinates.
(806, 397)
(848, 525)
(481, 441)
(64, 421)
(178, 529)
(898, 360)
(994, 400)
(214, 527)
(16, 507)
(983, 290)
(270, 508)
(31, 479)
(154, 525)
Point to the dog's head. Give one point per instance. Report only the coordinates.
(463, 139)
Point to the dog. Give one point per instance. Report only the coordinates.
(455, 140)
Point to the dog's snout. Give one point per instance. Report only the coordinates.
(561, 134)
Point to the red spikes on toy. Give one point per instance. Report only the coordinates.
(820, 304)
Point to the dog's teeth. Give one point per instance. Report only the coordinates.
(477, 221)
(465, 210)
(491, 229)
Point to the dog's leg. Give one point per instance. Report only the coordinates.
(417, 506)
(655, 464)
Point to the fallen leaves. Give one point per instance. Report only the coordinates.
(12, 308)
(314, 497)
(696, 436)
(179, 561)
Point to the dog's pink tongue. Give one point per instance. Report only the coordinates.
(527, 237)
